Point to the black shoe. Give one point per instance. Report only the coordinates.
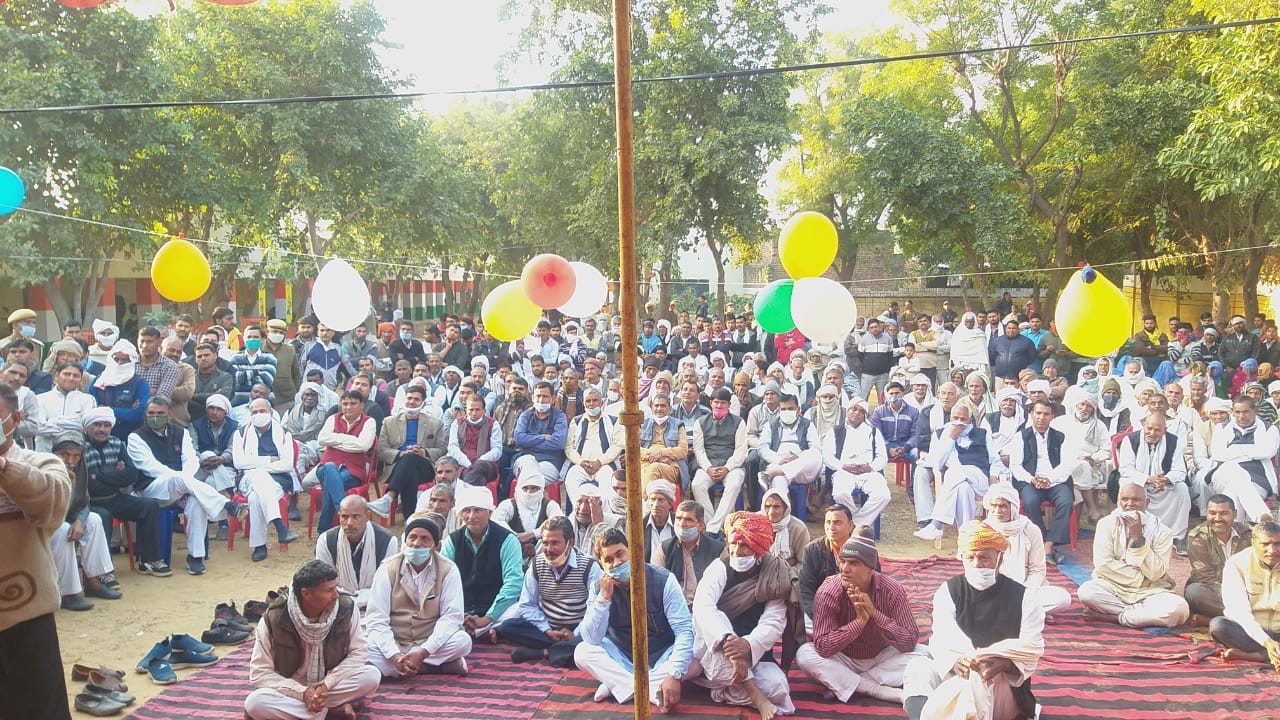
(524, 654)
(104, 591)
(294, 514)
(254, 610)
(235, 509)
(221, 633)
(223, 532)
(195, 566)
(289, 537)
(76, 603)
(159, 568)
(109, 580)
(228, 612)
(1053, 558)
(259, 553)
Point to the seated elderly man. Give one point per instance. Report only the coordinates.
(967, 461)
(987, 641)
(1209, 546)
(687, 555)
(790, 534)
(663, 445)
(591, 516)
(167, 463)
(1156, 460)
(1131, 552)
(440, 498)
(552, 601)
(659, 525)
(1250, 624)
(357, 548)
(744, 605)
(855, 454)
(605, 650)
(310, 659)
(81, 530)
(415, 615)
(263, 451)
(524, 513)
(487, 555)
(789, 448)
(938, 416)
(410, 443)
(1087, 442)
(595, 442)
(1242, 453)
(863, 631)
(211, 435)
(111, 478)
(1024, 561)
(305, 420)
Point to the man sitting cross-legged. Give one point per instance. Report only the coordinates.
(310, 659)
(744, 605)
(1209, 546)
(863, 631)
(605, 651)
(553, 599)
(356, 548)
(415, 608)
(1250, 625)
(487, 555)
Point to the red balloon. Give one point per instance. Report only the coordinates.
(548, 280)
(231, 2)
(83, 4)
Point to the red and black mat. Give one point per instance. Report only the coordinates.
(1090, 670)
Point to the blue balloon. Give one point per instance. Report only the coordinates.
(12, 191)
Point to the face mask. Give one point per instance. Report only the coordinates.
(827, 401)
(541, 407)
(529, 500)
(416, 555)
(896, 402)
(406, 338)
(742, 564)
(613, 396)
(28, 331)
(595, 412)
(557, 561)
(476, 422)
(981, 578)
(261, 420)
(659, 420)
(573, 337)
(719, 413)
(413, 411)
(688, 534)
(1109, 401)
(253, 345)
(157, 423)
(788, 417)
(275, 338)
(622, 572)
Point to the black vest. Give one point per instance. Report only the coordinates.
(718, 437)
(517, 525)
(381, 541)
(481, 572)
(708, 550)
(1031, 453)
(166, 449)
(1170, 449)
(976, 454)
(661, 636)
(989, 616)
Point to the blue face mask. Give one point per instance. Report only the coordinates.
(417, 556)
(622, 572)
(28, 331)
(253, 345)
(406, 338)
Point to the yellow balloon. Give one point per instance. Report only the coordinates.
(508, 313)
(180, 271)
(807, 245)
(1092, 315)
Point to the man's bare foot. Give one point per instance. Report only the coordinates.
(767, 709)
(1101, 617)
(345, 711)
(1235, 655)
(492, 635)
(1198, 620)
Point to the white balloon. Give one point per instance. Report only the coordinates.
(823, 309)
(340, 297)
(590, 293)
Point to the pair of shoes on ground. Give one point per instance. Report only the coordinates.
(229, 627)
(102, 700)
(157, 568)
(175, 653)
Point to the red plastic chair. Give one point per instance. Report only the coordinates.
(901, 471)
(370, 467)
(128, 540)
(234, 524)
(1046, 509)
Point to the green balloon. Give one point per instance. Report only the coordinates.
(773, 307)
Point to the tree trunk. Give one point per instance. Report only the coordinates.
(1221, 304)
(448, 284)
(664, 291)
(715, 249)
(1145, 278)
(1252, 270)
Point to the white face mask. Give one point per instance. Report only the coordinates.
(742, 564)
(981, 578)
(660, 420)
(260, 420)
(595, 411)
(788, 417)
(529, 500)
(614, 396)
(412, 411)
(275, 338)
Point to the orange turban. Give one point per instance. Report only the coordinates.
(976, 536)
(752, 528)
(386, 327)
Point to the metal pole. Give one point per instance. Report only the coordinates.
(630, 417)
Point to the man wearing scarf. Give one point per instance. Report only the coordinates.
(529, 507)
(1086, 440)
(744, 605)
(1156, 460)
(212, 435)
(1242, 451)
(790, 534)
(415, 610)
(106, 334)
(264, 452)
(987, 641)
(938, 416)
(553, 599)
(356, 548)
(593, 445)
(1042, 473)
(1007, 422)
(310, 656)
(605, 650)
(789, 448)
(1131, 553)
(591, 516)
(856, 455)
(864, 633)
(1150, 344)
(120, 388)
(663, 443)
(1024, 561)
(967, 461)
(969, 346)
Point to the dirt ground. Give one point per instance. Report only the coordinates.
(119, 633)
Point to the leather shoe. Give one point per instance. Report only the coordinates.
(108, 693)
(76, 603)
(106, 592)
(90, 704)
(259, 553)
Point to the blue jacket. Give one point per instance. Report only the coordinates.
(129, 403)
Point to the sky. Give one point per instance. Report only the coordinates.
(450, 45)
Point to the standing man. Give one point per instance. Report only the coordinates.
(35, 491)
(1150, 344)
(876, 348)
(159, 372)
(1011, 353)
(927, 342)
(864, 633)
(171, 347)
(252, 366)
(23, 324)
(209, 381)
(288, 373)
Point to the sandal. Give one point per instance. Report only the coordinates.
(80, 672)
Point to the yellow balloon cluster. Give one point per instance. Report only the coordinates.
(1092, 315)
(508, 313)
(180, 271)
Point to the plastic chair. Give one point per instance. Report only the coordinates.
(168, 519)
(370, 478)
(127, 529)
(901, 472)
(234, 524)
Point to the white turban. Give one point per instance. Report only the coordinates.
(474, 496)
(663, 487)
(218, 400)
(97, 415)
